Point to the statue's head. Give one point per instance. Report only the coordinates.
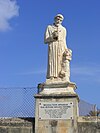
(58, 18)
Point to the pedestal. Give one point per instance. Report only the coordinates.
(56, 109)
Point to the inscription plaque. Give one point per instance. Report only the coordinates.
(55, 110)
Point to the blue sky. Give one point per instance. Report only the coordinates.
(23, 54)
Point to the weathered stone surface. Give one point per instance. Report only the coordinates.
(85, 125)
(15, 125)
(56, 125)
(88, 124)
(62, 88)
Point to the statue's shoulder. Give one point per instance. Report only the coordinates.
(63, 27)
(49, 26)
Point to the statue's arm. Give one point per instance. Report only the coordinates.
(48, 35)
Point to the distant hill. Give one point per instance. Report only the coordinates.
(85, 108)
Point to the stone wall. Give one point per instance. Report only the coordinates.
(16, 125)
(26, 125)
(89, 124)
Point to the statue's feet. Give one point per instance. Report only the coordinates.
(52, 78)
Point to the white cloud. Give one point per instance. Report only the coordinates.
(88, 72)
(42, 71)
(83, 70)
(8, 10)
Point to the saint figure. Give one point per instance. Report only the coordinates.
(55, 37)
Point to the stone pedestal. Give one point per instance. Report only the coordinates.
(56, 108)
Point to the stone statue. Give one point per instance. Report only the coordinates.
(58, 53)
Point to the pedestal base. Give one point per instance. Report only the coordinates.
(56, 112)
(58, 88)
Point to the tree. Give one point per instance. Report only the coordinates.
(95, 112)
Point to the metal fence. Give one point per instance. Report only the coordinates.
(17, 102)
(20, 102)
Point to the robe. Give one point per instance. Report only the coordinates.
(56, 49)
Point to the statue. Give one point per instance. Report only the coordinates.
(58, 54)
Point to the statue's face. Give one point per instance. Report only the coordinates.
(58, 20)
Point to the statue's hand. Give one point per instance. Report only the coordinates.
(55, 35)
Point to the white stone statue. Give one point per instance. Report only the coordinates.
(58, 53)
